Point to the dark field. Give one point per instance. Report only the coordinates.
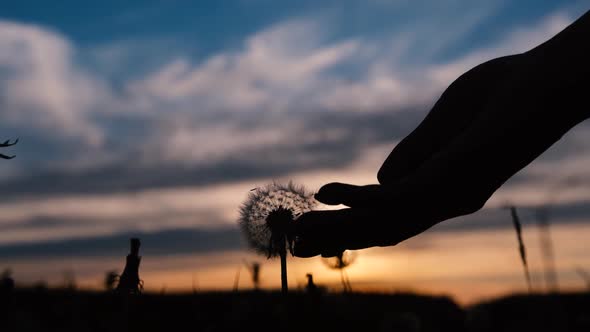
(55, 310)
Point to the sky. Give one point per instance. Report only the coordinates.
(155, 119)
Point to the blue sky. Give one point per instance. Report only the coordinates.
(230, 21)
(158, 116)
(202, 28)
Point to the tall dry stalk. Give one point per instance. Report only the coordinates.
(341, 262)
(254, 269)
(550, 273)
(237, 279)
(521, 247)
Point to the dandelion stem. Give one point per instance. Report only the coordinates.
(283, 254)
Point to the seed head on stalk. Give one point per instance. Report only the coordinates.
(340, 262)
(268, 213)
(267, 216)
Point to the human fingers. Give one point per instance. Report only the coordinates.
(328, 233)
(351, 195)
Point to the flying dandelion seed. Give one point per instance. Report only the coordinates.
(267, 216)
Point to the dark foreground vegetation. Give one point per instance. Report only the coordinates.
(68, 310)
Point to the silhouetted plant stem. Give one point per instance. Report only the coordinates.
(254, 269)
(342, 260)
(129, 282)
(521, 247)
(585, 276)
(279, 222)
(237, 279)
(283, 254)
(547, 249)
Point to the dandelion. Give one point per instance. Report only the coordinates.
(266, 218)
(340, 262)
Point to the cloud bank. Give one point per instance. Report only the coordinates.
(176, 146)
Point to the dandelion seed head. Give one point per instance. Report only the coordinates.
(267, 214)
(340, 261)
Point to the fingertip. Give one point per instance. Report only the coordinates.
(324, 233)
(306, 248)
(331, 193)
(347, 194)
(314, 231)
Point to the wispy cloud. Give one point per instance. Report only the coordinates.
(277, 68)
(42, 88)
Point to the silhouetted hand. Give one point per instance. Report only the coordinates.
(487, 125)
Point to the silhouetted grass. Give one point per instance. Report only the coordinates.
(537, 312)
(63, 310)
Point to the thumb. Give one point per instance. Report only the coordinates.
(347, 194)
